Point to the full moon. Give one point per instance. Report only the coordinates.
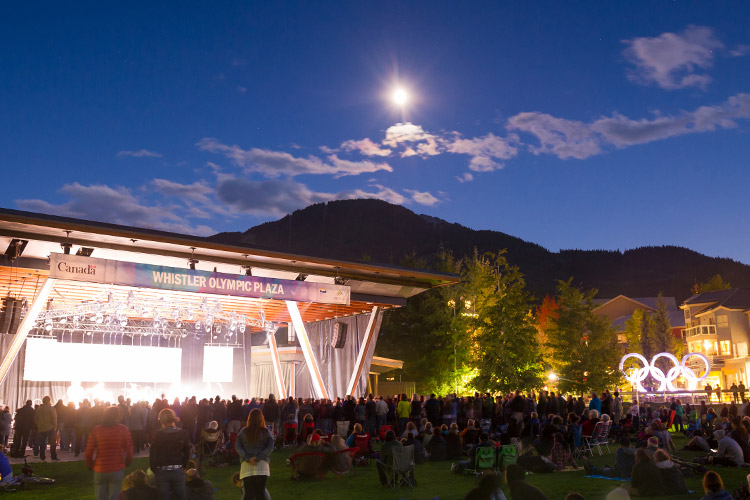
(400, 97)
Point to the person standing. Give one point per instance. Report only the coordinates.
(83, 426)
(254, 445)
(742, 392)
(5, 420)
(108, 451)
(46, 427)
(24, 422)
(168, 455)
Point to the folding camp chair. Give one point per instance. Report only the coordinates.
(592, 440)
(485, 459)
(506, 455)
(307, 429)
(364, 452)
(383, 430)
(340, 467)
(342, 428)
(209, 446)
(290, 434)
(604, 436)
(402, 470)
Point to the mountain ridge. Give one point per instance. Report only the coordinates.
(377, 231)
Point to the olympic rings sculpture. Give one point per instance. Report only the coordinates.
(665, 381)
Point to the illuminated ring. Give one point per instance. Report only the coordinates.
(690, 374)
(639, 375)
(658, 374)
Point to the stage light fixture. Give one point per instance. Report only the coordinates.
(85, 251)
(248, 270)
(340, 281)
(301, 277)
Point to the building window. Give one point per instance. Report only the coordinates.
(726, 347)
(742, 349)
(722, 320)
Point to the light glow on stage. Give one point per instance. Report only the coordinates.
(218, 363)
(49, 360)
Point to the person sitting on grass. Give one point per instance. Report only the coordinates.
(698, 443)
(437, 448)
(729, 452)
(411, 429)
(713, 487)
(488, 488)
(652, 444)
(624, 462)
(426, 434)
(646, 478)
(671, 476)
(519, 489)
(560, 453)
(419, 454)
(618, 493)
(197, 488)
(589, 424)
(739, 433)
(136, 487)
(661, 432)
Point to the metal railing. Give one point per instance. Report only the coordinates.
(700, 330)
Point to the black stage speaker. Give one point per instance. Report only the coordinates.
(11, 315)
(338, 339)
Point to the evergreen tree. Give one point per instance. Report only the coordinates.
(715, 282)
(585, 345)
(661, 330)
(503, 328)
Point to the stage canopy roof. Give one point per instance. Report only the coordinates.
(41, 235)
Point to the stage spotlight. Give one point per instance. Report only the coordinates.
(192, 263)
(341, 281)
(301, 277)
(85, 251)
(248, 270)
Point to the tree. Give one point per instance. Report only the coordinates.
(585, 345)
(715, 282)
(502, 327)
(637, 333)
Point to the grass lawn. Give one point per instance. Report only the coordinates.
(74, 481)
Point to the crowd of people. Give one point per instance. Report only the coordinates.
(546, 428)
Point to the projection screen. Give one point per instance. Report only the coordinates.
(49, 360)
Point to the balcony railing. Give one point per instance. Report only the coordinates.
(700, 330)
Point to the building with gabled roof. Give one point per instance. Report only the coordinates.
(621, 308)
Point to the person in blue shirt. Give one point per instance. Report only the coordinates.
(595, 403)
(6, 473)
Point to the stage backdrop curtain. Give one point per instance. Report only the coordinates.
(14, 391)
(336, 365)
(263, 380)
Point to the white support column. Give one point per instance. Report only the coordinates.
(25, 327)
(357, 372)
(304, 341)
(276, 361)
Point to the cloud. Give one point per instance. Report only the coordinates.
(274, 164)
(465, 177)
(417, 140)
(740, 51)
(275, 197)
(141, 153)
(116, 205)
(574, 139)
(484, 151)
(558, 136)
(671, 60)
(382, 193)
(365, 147)
(422, 197)
(198, 197)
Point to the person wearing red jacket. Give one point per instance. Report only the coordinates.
(108, 451)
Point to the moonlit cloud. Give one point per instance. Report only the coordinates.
(417, 141)
(485, 151)
(117, 205)
(740, 51)
(558, 136)
(422, 197)
(274, 164)
(673, 60)
(465, 177)
(141, 153)
(380, 193)
(364, 146)
(275, 197)
(574, 139)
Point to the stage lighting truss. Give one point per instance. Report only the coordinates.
(145, 317)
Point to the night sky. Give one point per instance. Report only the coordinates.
(572, 125)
